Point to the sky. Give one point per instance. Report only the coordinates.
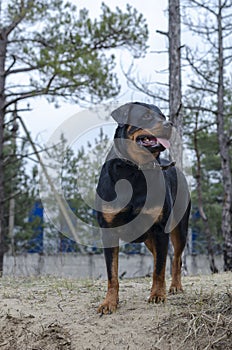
(44, 118)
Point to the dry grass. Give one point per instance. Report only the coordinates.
(204, 323)
(51, 314)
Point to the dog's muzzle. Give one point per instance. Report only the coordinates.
(155, 139)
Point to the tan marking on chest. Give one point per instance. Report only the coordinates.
(109, 212)
(156, 213)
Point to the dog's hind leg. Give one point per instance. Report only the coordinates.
(158, 245)
(179, 238)
(178, 245)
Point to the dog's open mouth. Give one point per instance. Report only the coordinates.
(152, 141)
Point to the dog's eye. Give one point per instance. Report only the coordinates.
(147, 117)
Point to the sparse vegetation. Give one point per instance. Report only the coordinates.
(54, 313)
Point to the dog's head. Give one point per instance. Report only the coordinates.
(146, 126)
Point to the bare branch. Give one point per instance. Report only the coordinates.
(197, 70)
(206, 126)
(21, 70)
(227, 16)
(159, 52)
(200, 88)
(162, 33)
(195, 2)
(228, 58)
(200, 108)
(12, 64)
(140, 86)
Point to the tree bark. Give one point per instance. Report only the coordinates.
(3, 43)
(12, 199)
(174, 36)
(175, 93)
(203, 216)
(223, 140)
(2, 233)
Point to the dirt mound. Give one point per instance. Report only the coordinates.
(19, 333)
(60, 314)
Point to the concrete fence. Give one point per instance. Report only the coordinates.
(93, 266)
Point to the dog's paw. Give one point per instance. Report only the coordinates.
(108, 306)
(175, 289)
(157, 298)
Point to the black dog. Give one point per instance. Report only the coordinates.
(151, 207)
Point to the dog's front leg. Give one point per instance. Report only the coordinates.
(158, 245)
(110, 303)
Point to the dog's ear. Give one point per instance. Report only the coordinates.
(121, 114)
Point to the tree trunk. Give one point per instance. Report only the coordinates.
(223, 139)
(2, 233)
(174, 33)
(204, 218)
(3, 43)
(175, 94)
(12, 199)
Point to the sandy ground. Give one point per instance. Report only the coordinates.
(50, 313)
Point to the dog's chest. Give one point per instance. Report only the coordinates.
(146, 191)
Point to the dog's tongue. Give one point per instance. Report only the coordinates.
(164, 142)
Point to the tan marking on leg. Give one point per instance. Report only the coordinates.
(110, 303)
(158, 289)
(150, 245)
(176, 285)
